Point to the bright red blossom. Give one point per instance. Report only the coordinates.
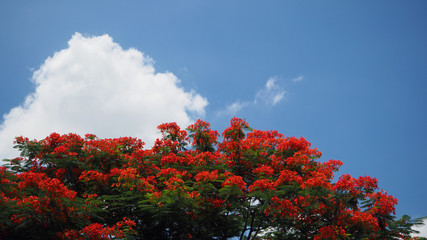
(330, 233)
(262, 185)
(206, 176)
(265, 170)
(235, 181)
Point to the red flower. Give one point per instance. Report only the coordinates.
(262, 185)
(235, 181)
(264, 170)
(384, 204)
(206, 176)
(330, 233)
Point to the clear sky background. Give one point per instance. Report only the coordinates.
(349, 76)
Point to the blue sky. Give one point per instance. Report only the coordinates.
(351, 77)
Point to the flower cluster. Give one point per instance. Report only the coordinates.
(235, 181)
(97, 231)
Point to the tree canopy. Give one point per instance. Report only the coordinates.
(251, 184)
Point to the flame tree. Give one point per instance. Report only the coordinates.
(251, 185)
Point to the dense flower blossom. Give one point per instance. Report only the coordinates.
(384, 203)
(364, 220)
(206, 176)
(288, 176)
(369, 184)
(204, 139)
(93, 175)
(330, 233)
(40, 181)
(262, 185)
(172, 158)
(96, 231)
(283, 207)
(265, 170)
(235, 181)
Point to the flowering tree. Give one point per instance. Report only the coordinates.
(251, 185)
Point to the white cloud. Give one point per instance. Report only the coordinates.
(298, 79)
(233, 108)
(95, 86)
(422, 229)
(271, 94)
